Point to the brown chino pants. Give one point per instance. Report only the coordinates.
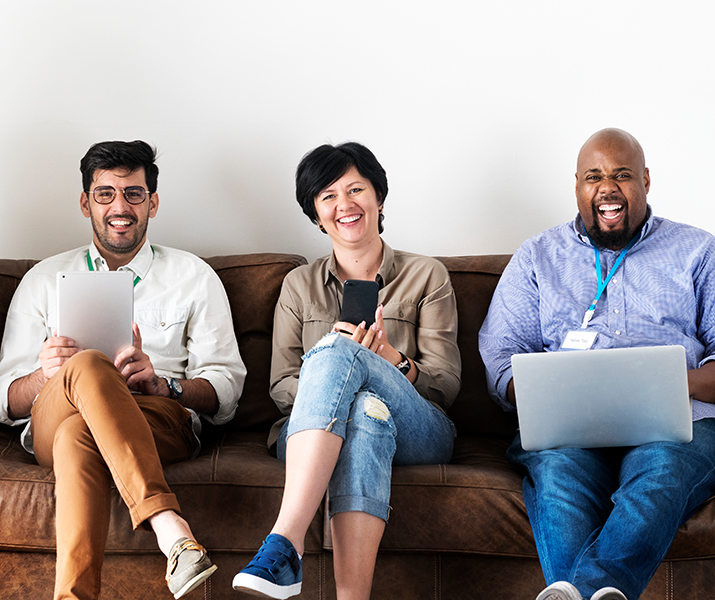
(92, 431)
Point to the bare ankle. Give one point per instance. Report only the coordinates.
(169, 527)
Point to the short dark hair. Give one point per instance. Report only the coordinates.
(116, 155)
(326, 164)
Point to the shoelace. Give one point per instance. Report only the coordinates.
(177, 550)
(269, 556)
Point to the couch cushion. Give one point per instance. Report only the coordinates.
(474, 504)
(230, 494)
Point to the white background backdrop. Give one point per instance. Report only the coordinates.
(475, 109)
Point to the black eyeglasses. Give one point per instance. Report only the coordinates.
(104, 194)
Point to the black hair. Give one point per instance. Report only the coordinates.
(326, 164)
(116, 155)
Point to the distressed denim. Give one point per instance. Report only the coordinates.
(606, 517)
(352, 392)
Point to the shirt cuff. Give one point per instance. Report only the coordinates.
(227, 398)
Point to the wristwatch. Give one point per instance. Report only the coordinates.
(404, 365)
(175, 389)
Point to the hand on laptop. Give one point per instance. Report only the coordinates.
(701, 382)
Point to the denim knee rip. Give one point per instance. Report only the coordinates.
(373, 408)
(376, 408)
(325, 342)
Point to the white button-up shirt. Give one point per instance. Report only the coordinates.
(180, 306)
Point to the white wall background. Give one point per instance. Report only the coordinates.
(476, 110)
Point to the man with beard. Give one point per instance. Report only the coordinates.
(98, 419)
(603, 519)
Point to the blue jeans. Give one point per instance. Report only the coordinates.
(356, 394)
(607, 516)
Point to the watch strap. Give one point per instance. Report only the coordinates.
(404, 366)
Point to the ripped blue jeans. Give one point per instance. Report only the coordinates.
(356, 394)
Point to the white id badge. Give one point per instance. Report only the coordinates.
(579, 339)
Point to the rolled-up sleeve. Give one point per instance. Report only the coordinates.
(26, 329)
(213, 352)
(438, 360)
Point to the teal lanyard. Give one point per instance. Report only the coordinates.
(601, 282)
(137, 279)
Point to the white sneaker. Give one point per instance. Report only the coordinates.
(561, 590)
(608, 593)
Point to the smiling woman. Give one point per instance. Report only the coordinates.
(348, 210)
(363, 398)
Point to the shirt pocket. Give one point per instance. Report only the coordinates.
(163, 330)
(317, 322)
(402, 311)
(401, 326)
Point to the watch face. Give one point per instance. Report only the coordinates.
(404, 367)
(176, 386)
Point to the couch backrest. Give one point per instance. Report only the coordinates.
(253, 283)
(11, 272)
(474, 279)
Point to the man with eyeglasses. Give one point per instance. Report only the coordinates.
(97, 419)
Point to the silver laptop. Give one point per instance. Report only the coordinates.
(96, 309)
(598, 398)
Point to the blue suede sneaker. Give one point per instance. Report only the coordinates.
(275, 571)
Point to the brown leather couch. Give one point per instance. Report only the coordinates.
(457, 531)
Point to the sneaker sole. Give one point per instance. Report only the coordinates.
(250, 584)
(195, 582)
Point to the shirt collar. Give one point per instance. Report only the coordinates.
(579, 229)
(139, 265)
(385, 273)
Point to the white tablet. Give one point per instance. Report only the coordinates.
(96, 309)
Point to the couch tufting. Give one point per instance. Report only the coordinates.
(457, 531)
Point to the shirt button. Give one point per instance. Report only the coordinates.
(162, 324)
(617, 311)
(309, 316)
(614, 280)
(618, 333)
(402, 314)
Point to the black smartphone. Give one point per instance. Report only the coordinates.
(359, 301)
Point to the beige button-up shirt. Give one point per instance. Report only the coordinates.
(420, 314)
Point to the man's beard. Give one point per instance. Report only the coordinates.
(128, 245)
(613, 240)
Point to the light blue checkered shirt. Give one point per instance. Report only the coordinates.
(663, 293)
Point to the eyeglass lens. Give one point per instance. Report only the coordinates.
(105, 194)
